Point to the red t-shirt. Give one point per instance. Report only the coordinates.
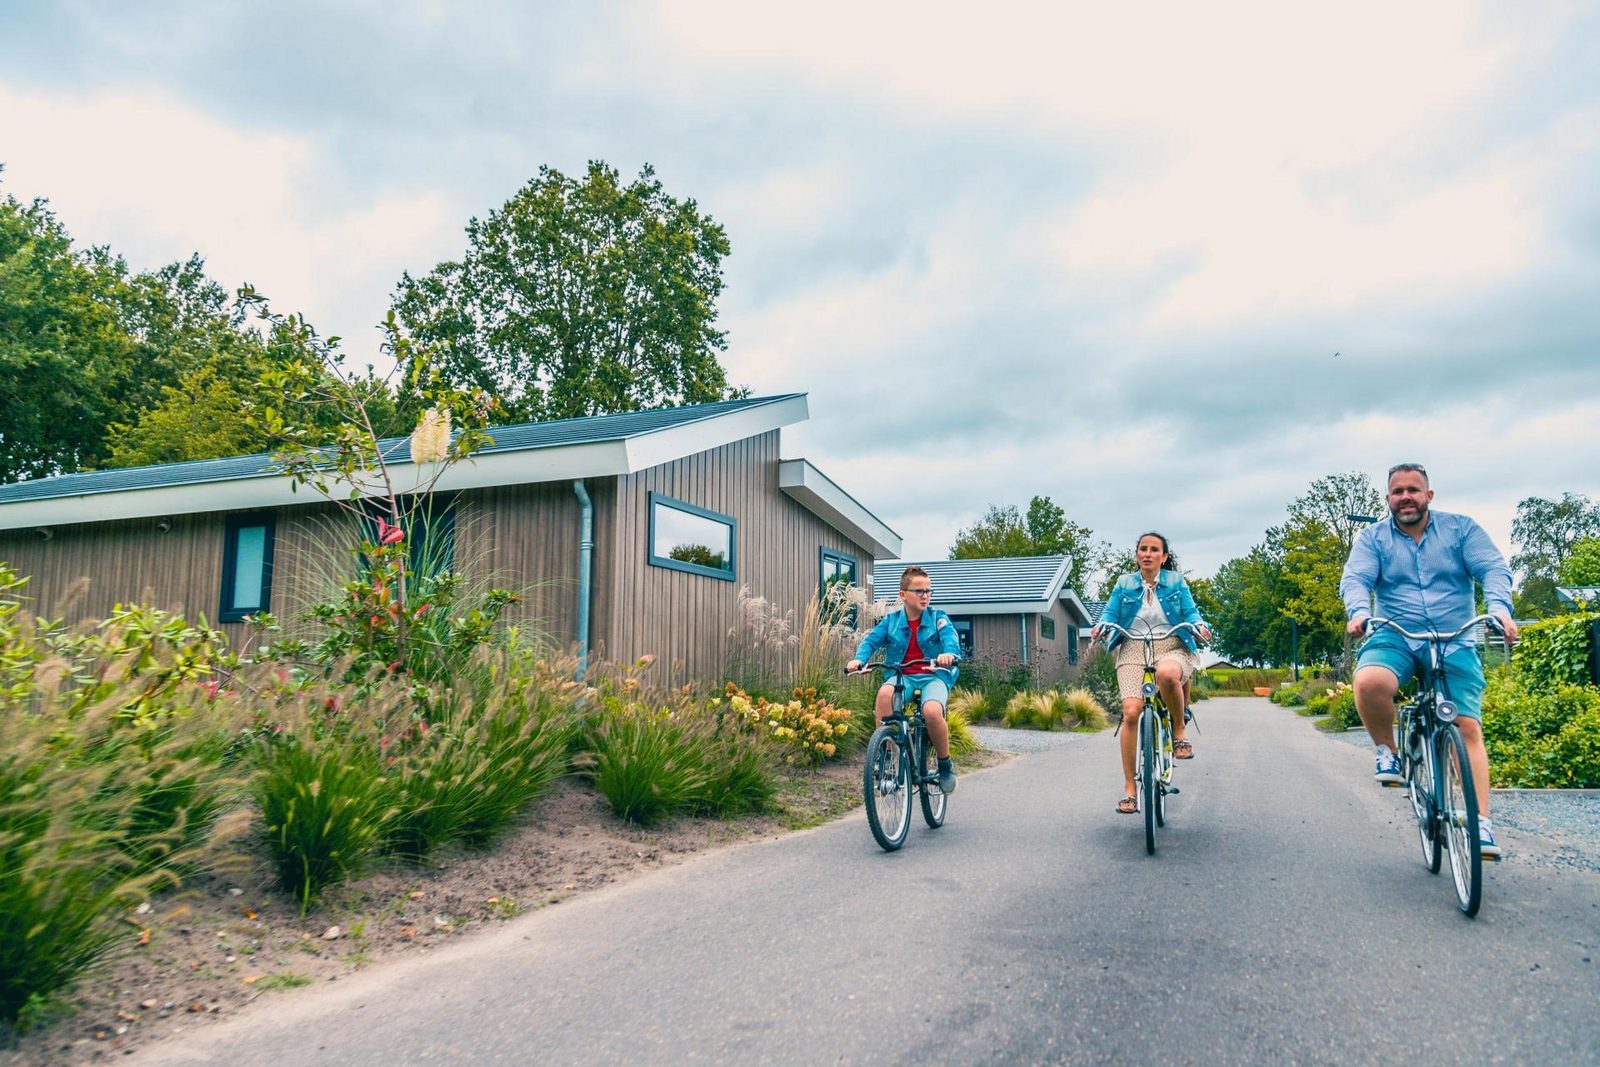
(913, 649)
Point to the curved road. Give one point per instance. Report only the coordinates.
(1286, 918)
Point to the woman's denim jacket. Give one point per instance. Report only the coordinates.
(1171, 590)
(936, 634)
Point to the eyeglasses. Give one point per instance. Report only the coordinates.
(924, 591)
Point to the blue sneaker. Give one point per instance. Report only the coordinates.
(1488, 847)
(947, 776)
(1388, 769)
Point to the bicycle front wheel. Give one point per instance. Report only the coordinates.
(1460, 804)
(886, 786)
(1163, 767)
(1419, 789)
(1147, 777)
(934, 799)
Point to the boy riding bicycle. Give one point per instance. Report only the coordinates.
(1421, 565)
(925, 633)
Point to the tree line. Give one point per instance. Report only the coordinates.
(578, 296)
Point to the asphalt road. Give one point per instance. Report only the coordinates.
(1286, 918)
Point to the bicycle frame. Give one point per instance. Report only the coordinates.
(907, 732)
(1427, 739)
(1155, 721)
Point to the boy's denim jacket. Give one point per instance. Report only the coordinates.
(1177, 603)
(936, 634)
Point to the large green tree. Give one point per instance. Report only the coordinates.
(1545, 533)
(1249, 625)
(1044, 531)
(64, 356)
(1582, 565)
(579, 296)
(103, 366)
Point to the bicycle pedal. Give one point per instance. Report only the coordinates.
(1171, 790)
(1391, 785)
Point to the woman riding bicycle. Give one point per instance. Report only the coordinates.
(1152, 598)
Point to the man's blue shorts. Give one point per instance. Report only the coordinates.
(933, 687)
(1463, 671)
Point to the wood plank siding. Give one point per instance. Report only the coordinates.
(681, 618)
(998, 639)
(521, 537)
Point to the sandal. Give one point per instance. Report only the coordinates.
(1182, 749)
(1128, 805)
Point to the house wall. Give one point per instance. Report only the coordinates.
(681, 618)
(85, 569)
(998, 639)
(522, 537)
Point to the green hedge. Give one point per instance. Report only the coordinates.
(1554, 652)
(1541, 738)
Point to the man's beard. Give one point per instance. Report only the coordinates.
(1422, 516)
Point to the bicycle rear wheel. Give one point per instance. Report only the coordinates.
(934, 799)
(887, 788)
(1419, 788)
(1147, 777)
(1460, 807)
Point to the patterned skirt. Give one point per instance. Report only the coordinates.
(1130, 663)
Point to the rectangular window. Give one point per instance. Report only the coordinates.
(836, 569)
(964, 632)
(1072, 644)
(687, 538)
(246, 565)
(429, 523)
(1047, 628)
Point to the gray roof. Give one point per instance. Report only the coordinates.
(1580, 596)
(1095, 607)
(1018, 584)
(519, 437)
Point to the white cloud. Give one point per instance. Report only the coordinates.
(159, 179)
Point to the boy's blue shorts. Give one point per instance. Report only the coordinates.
(933, 687)
(1463, 671)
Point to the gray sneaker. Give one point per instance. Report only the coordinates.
(947, 776)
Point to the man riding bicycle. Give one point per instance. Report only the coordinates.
(916, 633)
(1421, 565)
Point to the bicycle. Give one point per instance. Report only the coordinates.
(1153, 756)
(1435, 772)
(900, 762)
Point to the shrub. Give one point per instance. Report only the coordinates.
(645, 766)
(1537, 738)
(971, 704)
(89, 825)
(1100, 678)
(1338, 704)
(324, 805)
(1025, 710)
(806, 729)
(1083, 712)
(1570, 759)
(1554, 652)
(963, 742)
(492, 748)
(738, 781)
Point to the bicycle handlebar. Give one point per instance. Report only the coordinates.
(1375, 623)
(901, 668)
(1151, 634)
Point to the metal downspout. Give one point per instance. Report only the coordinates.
(585, 570)
(1024, 620)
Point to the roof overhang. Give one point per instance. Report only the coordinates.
(817, 493)
(597, 459)
(1077, 608)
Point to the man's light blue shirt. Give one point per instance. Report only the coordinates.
(1425, 585)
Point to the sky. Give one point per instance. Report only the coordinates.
(1165, 264)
